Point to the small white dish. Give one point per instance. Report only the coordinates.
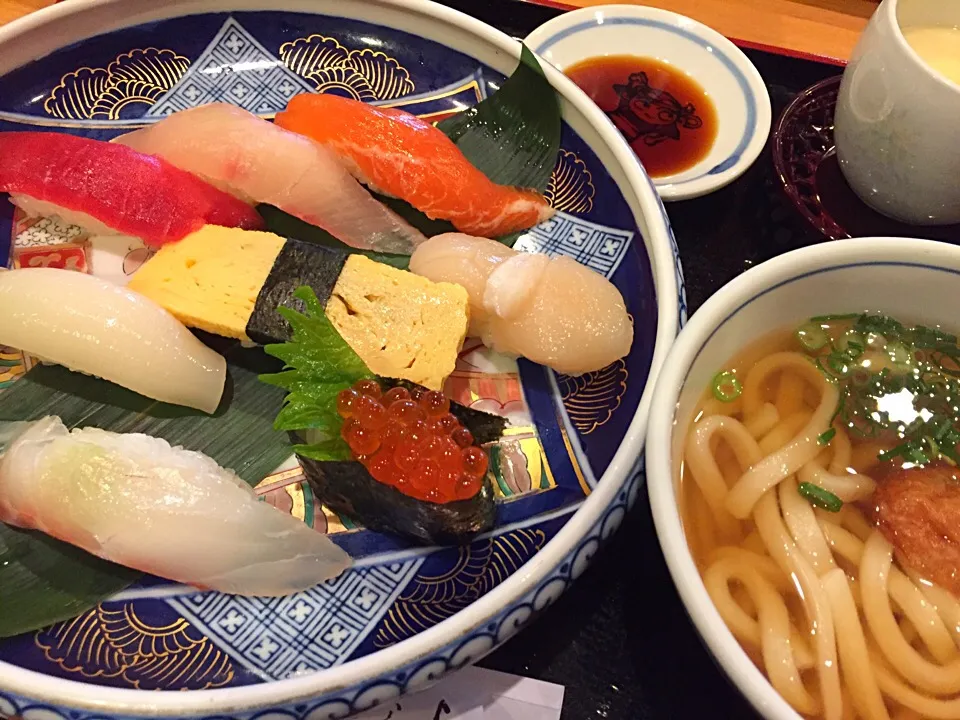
(716, 64)
(904, 278)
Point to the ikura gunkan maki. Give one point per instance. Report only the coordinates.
(411, 441)
(390, 454)
(418, 469)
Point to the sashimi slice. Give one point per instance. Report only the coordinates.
(124, 191)
(398, 154)
(92, 326)
(135, 500)
(551, 310)
(257, 161)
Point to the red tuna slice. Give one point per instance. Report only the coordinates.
(135, 194)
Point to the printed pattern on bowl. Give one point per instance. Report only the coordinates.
(159, 635)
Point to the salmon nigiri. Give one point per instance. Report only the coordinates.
(109, 189)
(552, 310)
(398, 154)
(253, 159)
(135, 500)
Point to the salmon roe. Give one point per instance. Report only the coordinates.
(411, 441)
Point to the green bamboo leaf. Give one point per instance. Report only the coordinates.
(288, 226)
(44, 580)
(513, 137)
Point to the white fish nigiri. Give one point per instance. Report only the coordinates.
(135, 500)
(98, 328)
(553, 311)
(257, 161)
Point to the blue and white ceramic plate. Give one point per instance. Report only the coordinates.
(567, 470)
(727, 76)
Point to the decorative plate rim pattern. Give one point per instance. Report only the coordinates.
(586, 523)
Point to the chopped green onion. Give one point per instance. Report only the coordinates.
(812, 336)
(831, 318)
(851, 344)
(827, 436)
(726, 387)
(839, 365)
(819, 497)
(900, 357)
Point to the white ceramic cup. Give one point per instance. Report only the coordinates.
(898, 120)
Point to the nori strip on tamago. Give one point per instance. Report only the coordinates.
(299, 263)
(348, 489)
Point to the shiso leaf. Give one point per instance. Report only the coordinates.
(318, 364)
(44, 580)
(512, 136)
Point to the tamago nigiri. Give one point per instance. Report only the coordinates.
(135, 500)
(260, 162)
(109, 189)
(551, 310)
(398, 154)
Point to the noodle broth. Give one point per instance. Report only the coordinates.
(820, 502)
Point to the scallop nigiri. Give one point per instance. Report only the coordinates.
(258, 161)
(109, 189)
(95, 327)
(398, 154)
(553, 311)
(135, 500)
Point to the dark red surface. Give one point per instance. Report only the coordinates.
(806, 163)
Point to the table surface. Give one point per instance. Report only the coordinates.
(619, 640)
(828, 28)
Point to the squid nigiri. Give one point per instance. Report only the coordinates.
(553, 311)
(95, 327)
(135, 500)
(398, 154)
(112, 190)
(257, 161)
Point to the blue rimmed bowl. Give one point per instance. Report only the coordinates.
(727, 76)
(567, 471)
(904, 278)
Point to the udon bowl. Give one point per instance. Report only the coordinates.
(909, 279)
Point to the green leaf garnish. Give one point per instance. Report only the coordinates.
(826, 436)
(512, 136)
(44, 580)
(288, 226)
(318, 365)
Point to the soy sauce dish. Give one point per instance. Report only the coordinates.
(690, 104)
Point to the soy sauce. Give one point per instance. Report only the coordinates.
(666, 116)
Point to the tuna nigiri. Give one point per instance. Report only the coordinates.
(258, 161)
(135, 500)
(112, 190)
(101, 329)
(553, 311)
(398, 154)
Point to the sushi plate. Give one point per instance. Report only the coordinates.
(567, 471)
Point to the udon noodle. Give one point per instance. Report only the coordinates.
(811, 588)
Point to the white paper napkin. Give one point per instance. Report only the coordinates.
(476, 694)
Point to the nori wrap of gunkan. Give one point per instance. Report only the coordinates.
(398, 501)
